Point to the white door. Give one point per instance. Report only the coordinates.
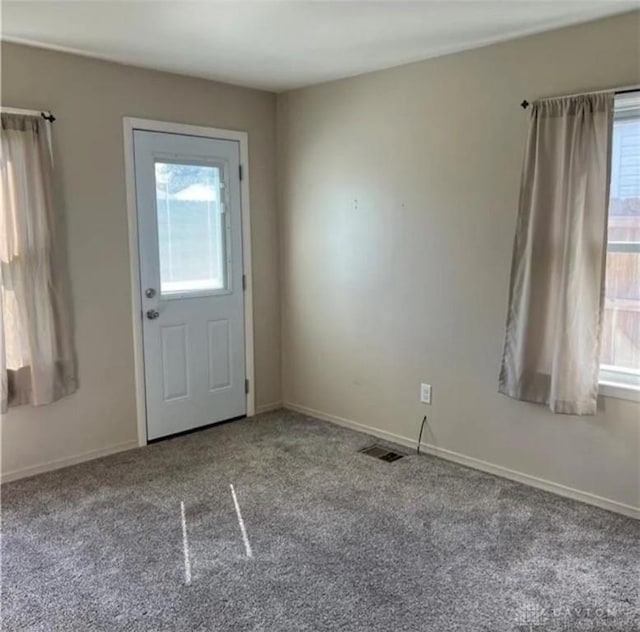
(190, 244)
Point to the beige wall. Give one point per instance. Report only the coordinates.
(398, 201)
(90, 98)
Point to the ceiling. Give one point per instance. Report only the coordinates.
(278, 45)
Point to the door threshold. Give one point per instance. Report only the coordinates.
(193, 430)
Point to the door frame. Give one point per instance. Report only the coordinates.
(130, 124)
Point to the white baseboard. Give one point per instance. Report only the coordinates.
(32, 470)
(477, 464)
(57, 464)
(265, 408)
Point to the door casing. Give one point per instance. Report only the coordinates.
(129, 125)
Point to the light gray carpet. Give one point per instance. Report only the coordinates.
(341, 541)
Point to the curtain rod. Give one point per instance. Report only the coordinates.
(46, 115)
(624, 90)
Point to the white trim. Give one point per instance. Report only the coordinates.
(57, 464)
(477, 464)
(619, 391)
(129, 125)
(619, 383)
(266, 408)
(627, 104)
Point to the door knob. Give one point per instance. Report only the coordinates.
(152, 314)
(150, 292)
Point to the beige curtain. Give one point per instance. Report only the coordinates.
(36, 355)
(557, 275)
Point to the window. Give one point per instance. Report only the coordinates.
(192, 228)
(620, 350)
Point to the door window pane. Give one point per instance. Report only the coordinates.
(191, 228)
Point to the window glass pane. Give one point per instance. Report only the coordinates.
(191, 228)
(621, 332)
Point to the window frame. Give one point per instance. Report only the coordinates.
(225, 234)
(622, 383)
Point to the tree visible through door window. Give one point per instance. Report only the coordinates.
(191, 228)
(620, 348)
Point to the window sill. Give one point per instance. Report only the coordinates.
(619, 391)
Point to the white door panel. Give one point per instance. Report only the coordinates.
(219, 340)
(190, 244)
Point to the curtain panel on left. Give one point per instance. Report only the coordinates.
(37, 362)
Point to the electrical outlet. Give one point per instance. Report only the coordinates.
(425, 393)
